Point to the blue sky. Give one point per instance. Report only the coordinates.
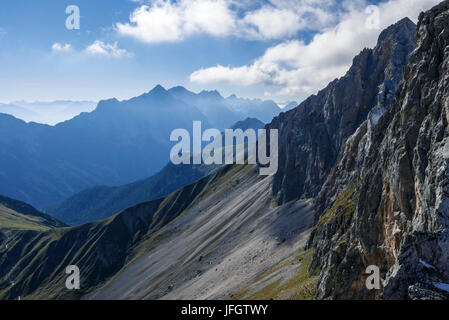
(233, 46)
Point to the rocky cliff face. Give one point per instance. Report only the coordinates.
(392, 184)
(312, 135)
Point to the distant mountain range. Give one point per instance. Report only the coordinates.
(223, 112)
(101, 202)
(47, 112)
(117, 143)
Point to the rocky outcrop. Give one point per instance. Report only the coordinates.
(401, 215)
(312, 135)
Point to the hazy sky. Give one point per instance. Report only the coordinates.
(278, 49)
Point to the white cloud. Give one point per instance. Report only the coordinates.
(59, 47)
(96, 48)
(208, 16)
(285, 18)
(170, 21)
(106, 49)
(274, 23)
(299, 68)
(166, 21)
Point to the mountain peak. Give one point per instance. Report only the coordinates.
(106, 104)
(158, 90)
(400, 31)
(178, 89)
(249, 123)
(211, 94)
(112, 100)
(405, 21)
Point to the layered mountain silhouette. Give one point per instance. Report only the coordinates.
(101, 202)
(47, 112)
(362, 181)
(223, 112)
(117, 143)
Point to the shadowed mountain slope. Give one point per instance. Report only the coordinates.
(33, 263)
(223, 112)
(117, 143)
(101, 202)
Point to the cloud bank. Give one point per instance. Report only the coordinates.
(98, 48)
(171, 21)
(300, 68)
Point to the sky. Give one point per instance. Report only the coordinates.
(282, 50)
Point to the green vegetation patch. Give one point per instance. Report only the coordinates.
(10, 219)
(300, 286)
(344, 205)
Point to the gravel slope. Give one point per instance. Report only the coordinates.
(221, 245)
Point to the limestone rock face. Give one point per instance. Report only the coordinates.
(312, 135)
(399, 164)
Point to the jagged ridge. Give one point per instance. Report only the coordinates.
(402, 215)
(312, 135)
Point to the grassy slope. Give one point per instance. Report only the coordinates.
(300, 285)
(15, 214)
(10, 219)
